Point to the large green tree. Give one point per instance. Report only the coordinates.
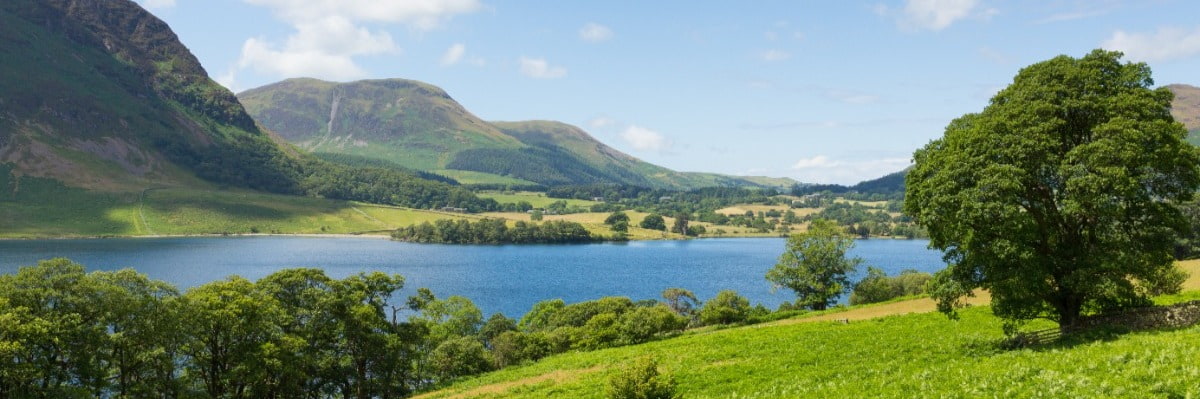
(1058, 196)
(815, 266)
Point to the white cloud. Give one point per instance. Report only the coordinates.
(229, 80)
(419, 14)
(933, 15)
(643, 139)
(601, 122)
(540, 69)
(824, 170)
(263, 58)
(595, 33)
(774, 55)
(454, 54)
(158, 3)
(819, 161)
(1168, 43)
(321, 48)
(329, 34)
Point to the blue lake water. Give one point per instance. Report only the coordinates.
(508, 278)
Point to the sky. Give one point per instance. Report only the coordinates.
(819, 91)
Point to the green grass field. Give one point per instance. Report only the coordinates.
(538, 200)
(469, 177)
(51, 210)
(917, 355)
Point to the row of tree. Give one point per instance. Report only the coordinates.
(297, 333)
(496, 231)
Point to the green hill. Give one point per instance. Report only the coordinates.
(102, 95)
(916, 355)
(1186, 109)
(419, 126)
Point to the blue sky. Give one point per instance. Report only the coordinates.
(820, 91)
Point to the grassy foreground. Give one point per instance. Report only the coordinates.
(912, 355)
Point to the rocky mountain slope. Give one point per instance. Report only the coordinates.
(102, 95)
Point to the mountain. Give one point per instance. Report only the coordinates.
(889, 186)
(1186, 109)
(102, 95)
(99, 96)
(419, 126)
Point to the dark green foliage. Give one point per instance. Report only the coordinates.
(1058, 195)
(384, 186)
(359, 161)
(548, 166)
(616, 216)
(726, 308)
(701, 201)
(644, 322)
(1187, 244)
(496, 325)
(653, 222)
(681, 223)
(878, 287)
(1166, 281)
(642, 380)
(460, 357)
(814, 265)
(495, 231)
(888, 187)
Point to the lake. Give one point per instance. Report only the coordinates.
(505, 278)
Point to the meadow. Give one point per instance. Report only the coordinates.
(181, 211)
(538, 200)
(898, 355)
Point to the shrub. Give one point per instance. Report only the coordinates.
(878, 287)
(726, 308)
(641, 380)
(1165, 282)
(644, 323)
(460, 357)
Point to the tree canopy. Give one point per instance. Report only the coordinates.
(815, 266)
(1057, 197)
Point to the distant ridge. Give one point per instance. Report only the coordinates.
(419, 126)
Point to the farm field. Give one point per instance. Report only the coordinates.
(471, 177)
(923, 354)
(180, 211)
(184, 211)
(538, 200)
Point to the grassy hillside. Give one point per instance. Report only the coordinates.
(419, 126)
(47, 208)
(102, 95)
(899, 356)
(1186, 109)
(410, 123)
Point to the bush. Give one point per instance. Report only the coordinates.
(726, 308)
(878, 287)
(460, 357)
(644, 323)
(641, 380)
(654, 222)
(599, 332)
(1165, 282)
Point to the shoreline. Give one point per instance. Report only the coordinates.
(381, 236)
